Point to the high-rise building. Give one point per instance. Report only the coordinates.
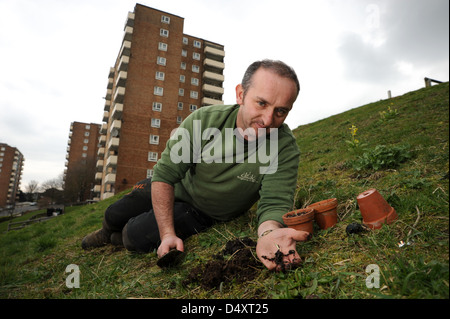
(81, 160)
(11, 165)
(160, 76)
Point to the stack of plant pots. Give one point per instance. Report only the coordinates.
(324, 213)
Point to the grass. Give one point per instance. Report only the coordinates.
(403, 153)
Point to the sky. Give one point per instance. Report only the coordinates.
(55, 57)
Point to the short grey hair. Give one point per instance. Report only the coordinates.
(278, 67)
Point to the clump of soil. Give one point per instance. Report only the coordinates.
(281, 265)
(242, 265)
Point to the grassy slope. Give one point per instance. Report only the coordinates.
(33, 260)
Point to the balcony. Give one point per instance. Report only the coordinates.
(214, 64)
(97, 188)
(103, 128)
(129, 22)
(119, 95)
(213, 89)
(125, 49)
(110, 178)
(110, 83)
(123, 63)
(98, 177)
(121, 78)
(117, 111)
(213, 76)
(99, 165)
(102, 140)
(128, 33)
(220, 53)
(210, 101)
(108, 94)
(115, 127)
(107, 105)
(101, 151)
(113, 144)
(111, 161)
(105, 116)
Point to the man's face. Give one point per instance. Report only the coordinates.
(267, 102)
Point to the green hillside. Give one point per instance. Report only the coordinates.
(399, 146)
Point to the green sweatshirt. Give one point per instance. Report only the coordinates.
(223, 175)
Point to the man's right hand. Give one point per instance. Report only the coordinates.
(169, 242)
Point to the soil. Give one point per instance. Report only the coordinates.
(296, 214)
(278, 259)
(241, 266)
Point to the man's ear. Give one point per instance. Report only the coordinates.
(239, 94)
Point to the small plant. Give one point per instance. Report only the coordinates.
(382, 157)
(389, 114)
(354, 143)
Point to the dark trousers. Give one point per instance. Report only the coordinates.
(133, 216)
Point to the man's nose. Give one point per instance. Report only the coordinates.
(268, 117)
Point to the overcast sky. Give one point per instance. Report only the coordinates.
(55, 57)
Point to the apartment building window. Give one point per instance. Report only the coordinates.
(197, 44)
(85, 148)
(181, 92)
(165, 19)
(159, 75)
(183, 52)
(196, 56)
(182, 78)
(162, 46)
(183, 65)
(194, 95)
(156, 123)
(192, 107)
(180, 105)
(157, 106)
(161, 61)
(149, 173)
(194, 81)
(88, 127)
(86, 134)
(179, 119)
(84, 155)
(154, 139)
(158, 91)
(185, 40)
(152, 156)
(164, 33)
(86, 141)
(196, 69)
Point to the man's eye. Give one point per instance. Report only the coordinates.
(261, 103)
(281, 112)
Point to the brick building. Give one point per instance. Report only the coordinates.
(81, 159)
(11, 166)
(160, 76)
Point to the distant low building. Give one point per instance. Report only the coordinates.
(11, 166)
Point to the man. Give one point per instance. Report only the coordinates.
(217, 171)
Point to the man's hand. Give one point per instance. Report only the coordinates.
(283, 239)
(168, 243)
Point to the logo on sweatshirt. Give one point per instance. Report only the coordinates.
(248, 177)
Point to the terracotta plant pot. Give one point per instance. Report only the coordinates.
(325, 212)
(300, 219)
(374, 209)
